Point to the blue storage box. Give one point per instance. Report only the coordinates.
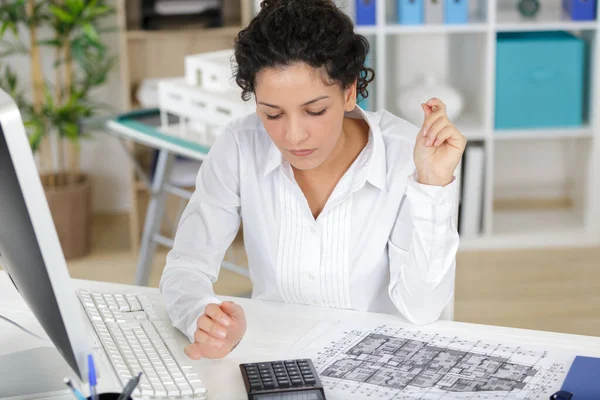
(456, 11)
(365, 12)
(410, 12)
(580, 10)
(539, 80)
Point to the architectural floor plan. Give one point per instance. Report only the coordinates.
(394, 363)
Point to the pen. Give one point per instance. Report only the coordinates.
(130, 387)
(92, 377)
(76, 392)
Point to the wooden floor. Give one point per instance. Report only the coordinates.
(555, 290)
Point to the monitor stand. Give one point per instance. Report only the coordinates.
(34, 373)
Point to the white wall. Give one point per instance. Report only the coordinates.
(102, 156)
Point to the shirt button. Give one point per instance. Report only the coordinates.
(311, 276)
(313, 229)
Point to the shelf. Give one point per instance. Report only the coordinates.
(139, 34)
(555, 221)
(567, 238)
(543, 134)
(435, 28)
(548, 19)
(366, 29)
(470, 127)
(533, 229)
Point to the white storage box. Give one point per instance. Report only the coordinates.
(212, 71)
(197, 105)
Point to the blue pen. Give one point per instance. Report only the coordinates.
(92, 377)
(76, 392)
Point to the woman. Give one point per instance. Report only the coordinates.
(341, 207)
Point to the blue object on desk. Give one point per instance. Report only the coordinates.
(456, 11)
(582, 380)
(365, 12)
(410, 12)
(580, 10)
(540, 80)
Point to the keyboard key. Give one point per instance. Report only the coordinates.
(172, 389)
(197, 386)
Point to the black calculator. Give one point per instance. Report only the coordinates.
(282, 380)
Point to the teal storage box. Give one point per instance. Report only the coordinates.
(540, 80)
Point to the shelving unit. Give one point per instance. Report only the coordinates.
(148, 54)
(465, 57)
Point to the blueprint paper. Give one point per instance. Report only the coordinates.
(385, 362)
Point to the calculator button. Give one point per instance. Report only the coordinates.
(256, 385)
(310, 380)
(296, 382)
(284, 383)
(269, 385)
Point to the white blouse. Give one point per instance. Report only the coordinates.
(383, 242)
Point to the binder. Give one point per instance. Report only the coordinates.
(365, 12)
(410, 12)
(580, 10)
(456, 11)
(582, 381)
(472, 191)
(434, 11)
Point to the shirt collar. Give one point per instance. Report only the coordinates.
(376, 164)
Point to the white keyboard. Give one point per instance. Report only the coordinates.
(137, 340)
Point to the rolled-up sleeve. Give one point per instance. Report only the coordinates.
(206, 229)
(422, 251)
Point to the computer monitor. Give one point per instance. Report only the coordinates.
(31, 254)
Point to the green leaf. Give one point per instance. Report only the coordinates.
(100, 11)
(36, 130)
(75, 6)
(12, 48)
(50, 42)
(61, 14)
(90, 32)
(71, 130)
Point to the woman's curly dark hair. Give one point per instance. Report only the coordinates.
(316, 32)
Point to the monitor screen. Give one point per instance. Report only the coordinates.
(29, 248)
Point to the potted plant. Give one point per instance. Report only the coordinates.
(58, 105)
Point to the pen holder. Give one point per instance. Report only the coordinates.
(108, 396)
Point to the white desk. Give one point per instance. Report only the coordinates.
(272, 330)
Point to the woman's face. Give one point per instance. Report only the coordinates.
(302, 114)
